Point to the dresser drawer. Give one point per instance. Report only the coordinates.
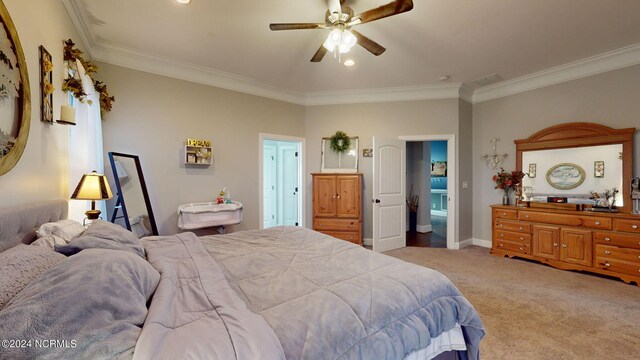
(617, 253)
(619, 266)
(512, 236)
(617, 239)
(513, 246)
(510, 225)
(631, 225)
(353, 237)
(506, 213)
(336, 224)
(593, 222)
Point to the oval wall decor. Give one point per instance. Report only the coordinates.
(565, 176)
(15, 96)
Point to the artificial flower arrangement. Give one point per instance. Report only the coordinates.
(605, 199)
(506, 181)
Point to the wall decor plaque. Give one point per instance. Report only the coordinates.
(565, 176)
(15, 96)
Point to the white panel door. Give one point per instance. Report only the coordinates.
(289, 160)
(389, 193)
(269, 190)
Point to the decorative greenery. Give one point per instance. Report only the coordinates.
(73, 82)
(606, 199)
(340, 142)
(507, 180)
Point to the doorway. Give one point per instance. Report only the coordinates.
(427, 193)
(439, 169)
(281, 192)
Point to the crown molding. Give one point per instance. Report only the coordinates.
(405, 93)
(612, 60)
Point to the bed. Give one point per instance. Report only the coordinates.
(284, 292)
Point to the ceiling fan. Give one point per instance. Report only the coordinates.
(340, 19)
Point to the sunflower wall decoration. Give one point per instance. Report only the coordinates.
(46, 86)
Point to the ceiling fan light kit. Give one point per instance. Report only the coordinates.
(340, 20)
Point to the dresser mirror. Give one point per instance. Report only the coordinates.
(133, 208)
(571, 160)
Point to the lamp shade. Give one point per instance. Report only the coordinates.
(92, 186)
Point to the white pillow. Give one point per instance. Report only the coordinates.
(58, 233)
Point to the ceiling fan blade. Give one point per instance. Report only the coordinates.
(317, 57)
(394, 8)
(296, 26)
(371, 46)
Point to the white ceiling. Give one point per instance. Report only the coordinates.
(465, 39)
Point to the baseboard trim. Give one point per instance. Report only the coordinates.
(482, 243)
(424, 228)
(463, 244)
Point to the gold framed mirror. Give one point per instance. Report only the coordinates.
(15, 95)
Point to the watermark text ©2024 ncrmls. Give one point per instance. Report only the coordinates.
(37, 343)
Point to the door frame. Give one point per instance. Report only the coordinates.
(301, 169)
(452, 211)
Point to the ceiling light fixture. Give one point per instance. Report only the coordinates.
(340, 41)
(185, 2)
(349, 62)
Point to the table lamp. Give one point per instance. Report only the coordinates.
(92, 187)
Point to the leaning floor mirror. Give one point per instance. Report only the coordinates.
(133, 207)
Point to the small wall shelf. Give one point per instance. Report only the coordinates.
(198, 152)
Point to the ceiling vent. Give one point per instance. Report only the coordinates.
(488, 80)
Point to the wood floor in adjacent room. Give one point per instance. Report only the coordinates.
(533, 311)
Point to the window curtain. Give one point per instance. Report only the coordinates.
(85, 151)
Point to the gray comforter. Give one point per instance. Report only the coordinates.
(322, 298)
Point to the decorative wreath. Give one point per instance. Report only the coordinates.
(340, 142)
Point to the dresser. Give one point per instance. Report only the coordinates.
(337, 205)
(601, 243)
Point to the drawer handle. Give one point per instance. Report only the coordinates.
(555, 244)
(607, 239)
(607, 252)
(526, 215)
(564, 245)
(504, 214)
(607, 264)
(521, 249)
(634, 226)
(500, 245)
(597, 222)
(521, 238)
(502, 234)
(501, 225)
(521, 228)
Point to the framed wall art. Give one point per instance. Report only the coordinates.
(598, 169)
(46, 86)
(438, 168)
(15, 96)
(532, 170)
(565, 176)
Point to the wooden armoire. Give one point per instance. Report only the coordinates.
(337, 205)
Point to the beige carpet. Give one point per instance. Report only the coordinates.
(533, 311)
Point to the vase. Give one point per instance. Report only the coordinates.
(505, 198)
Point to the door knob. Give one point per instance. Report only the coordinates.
(377, 201)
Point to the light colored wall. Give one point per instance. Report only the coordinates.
(41, 173)
(153, 116)
(609, 99)
(465, 173)
(428, 117)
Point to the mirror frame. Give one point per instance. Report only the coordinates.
(582, 134)
(143, 185)
(10, 160)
